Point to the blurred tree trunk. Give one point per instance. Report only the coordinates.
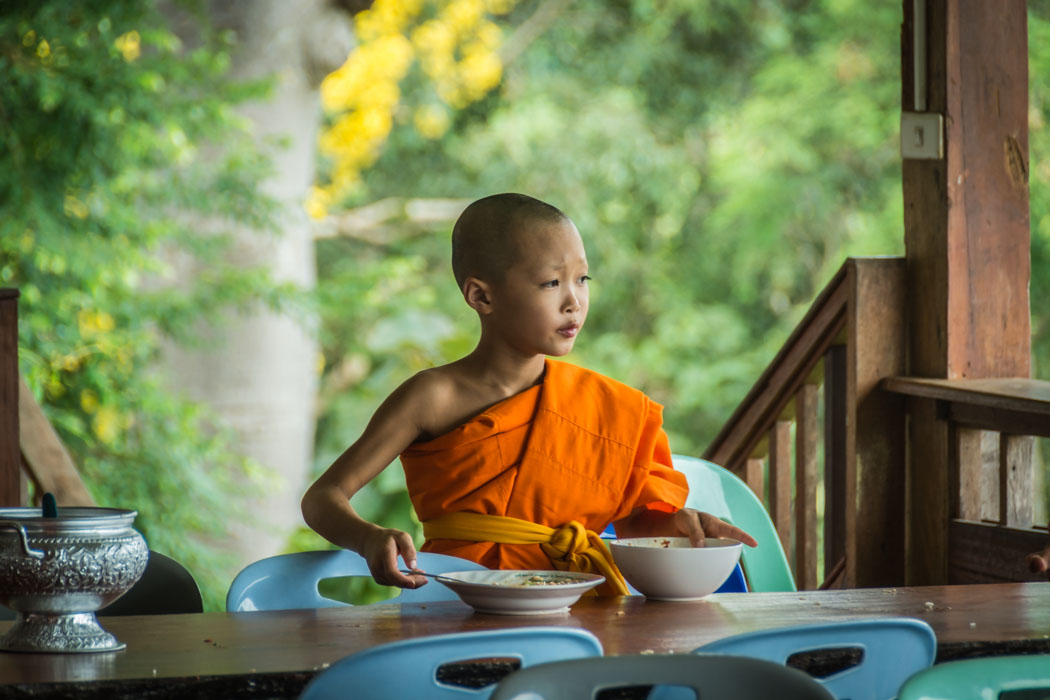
(260, 370)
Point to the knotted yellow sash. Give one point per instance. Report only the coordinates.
(570, 547)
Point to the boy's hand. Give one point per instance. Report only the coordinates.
(1039, 562)
(381, 549)
(696, 526)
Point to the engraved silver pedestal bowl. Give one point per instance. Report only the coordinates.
(56, 572)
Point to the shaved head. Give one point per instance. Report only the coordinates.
(485, 237)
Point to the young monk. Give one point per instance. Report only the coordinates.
(511, 459)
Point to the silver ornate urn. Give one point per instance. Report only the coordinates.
(55, 572)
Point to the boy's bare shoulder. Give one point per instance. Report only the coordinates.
(436, 383)
(440, 399)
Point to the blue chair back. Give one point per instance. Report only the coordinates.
(720, 492)
(982, 678)
(707, 677)
(409, 668)
(289, 581)
(892, 650)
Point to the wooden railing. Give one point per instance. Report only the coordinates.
(852, 337)
(990, 491)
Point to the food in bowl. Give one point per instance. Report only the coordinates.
(670, 568)
(539, 579)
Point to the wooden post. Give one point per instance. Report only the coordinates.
(966, 231)
(807, 437)
(780, 481)
(836, 463)
(10, 461)
(874, 436)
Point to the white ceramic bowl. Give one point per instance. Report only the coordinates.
(668, 568)
(506, 592)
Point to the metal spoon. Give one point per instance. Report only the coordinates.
(420, 573)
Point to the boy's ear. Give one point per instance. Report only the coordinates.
(477, 294)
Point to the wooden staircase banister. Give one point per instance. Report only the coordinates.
(788, 370)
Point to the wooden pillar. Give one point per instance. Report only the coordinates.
(875, 483)
(10, 461)
(966, 230)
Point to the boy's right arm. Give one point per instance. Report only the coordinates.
(326, 504)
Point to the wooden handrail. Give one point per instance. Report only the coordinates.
(775, 389)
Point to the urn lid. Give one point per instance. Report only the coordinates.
(77, 519)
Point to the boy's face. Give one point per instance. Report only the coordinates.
(542, 302)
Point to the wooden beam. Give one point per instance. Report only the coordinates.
(984, 553)
(11, 493)
(45, 457)
(1008, 393)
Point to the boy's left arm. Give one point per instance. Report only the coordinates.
(685, 522)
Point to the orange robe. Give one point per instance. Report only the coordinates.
(594, 451)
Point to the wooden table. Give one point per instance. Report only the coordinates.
(274, 654)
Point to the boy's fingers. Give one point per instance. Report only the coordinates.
(689, 522)
(719, 528)
(407, 551)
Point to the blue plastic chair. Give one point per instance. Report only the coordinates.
(720, 492)
(979, 679)
(409, 668)
(709, 677)
(892, 650)
(289, 581)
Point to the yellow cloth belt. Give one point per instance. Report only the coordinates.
(570, 547)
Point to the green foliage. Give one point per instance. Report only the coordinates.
(109, 126)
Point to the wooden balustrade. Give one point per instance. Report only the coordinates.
(990, 506)
(850, 339)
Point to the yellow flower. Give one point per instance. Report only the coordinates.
(74, 207)
(129, 45)
(481, 71)
(432, 121)
(89, 401)
(107, 424)
(43, 49)
(463, 15)
(70, 363)
(94, 322)
(317, 203)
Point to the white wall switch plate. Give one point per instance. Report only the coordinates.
(922, 135)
